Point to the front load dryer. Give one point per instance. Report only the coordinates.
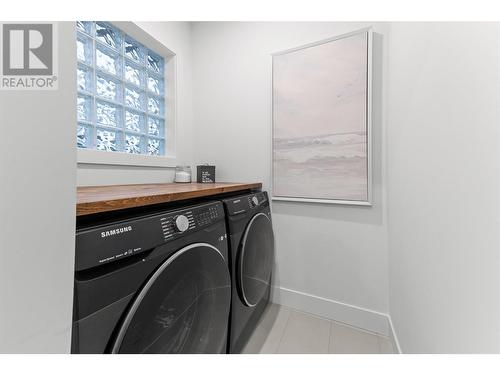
(156, 283)
(252, 260)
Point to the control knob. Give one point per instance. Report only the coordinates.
(255, 201)
(181, 223)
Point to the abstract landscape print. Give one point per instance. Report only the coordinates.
(320, 123)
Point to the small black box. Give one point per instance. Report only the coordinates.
(205, 173)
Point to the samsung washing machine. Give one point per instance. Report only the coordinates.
(156, 283)
(251, 246)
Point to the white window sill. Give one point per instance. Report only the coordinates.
(120, 158)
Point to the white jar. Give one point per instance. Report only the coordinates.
(183, 174)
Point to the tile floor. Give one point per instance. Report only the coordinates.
(283, 330)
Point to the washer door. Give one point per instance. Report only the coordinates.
(183, 307)
(255, 260)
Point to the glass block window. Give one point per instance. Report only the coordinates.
(121, 92)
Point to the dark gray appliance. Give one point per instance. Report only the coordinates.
(252, 259)
(158, 283)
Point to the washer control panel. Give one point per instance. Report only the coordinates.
(113, 241)
(245, 203)
(177, 223)
(180, 222)
(207, 216)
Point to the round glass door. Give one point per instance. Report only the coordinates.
(183, 307)
(255, 260)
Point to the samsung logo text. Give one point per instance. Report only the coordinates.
(114, 232)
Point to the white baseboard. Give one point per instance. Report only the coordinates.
(366, 319)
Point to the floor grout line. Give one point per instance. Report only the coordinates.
(330, 338)
(284, 330)
(360, 329)
(308, 313)
(336, 321)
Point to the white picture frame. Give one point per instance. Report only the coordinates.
(277, 194)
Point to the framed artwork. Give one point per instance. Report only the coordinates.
(321, 132)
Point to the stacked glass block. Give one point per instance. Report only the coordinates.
(121, 92)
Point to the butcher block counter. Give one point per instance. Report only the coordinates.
(99, 199)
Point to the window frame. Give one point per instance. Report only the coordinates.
(93, 156)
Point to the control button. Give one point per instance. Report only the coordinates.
(255, 201)
(181, 223)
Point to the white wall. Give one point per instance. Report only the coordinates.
(443, 186)
(37, 211)
(331, 251)
(176, 36)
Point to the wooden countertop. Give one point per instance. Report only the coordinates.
(96, 199)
